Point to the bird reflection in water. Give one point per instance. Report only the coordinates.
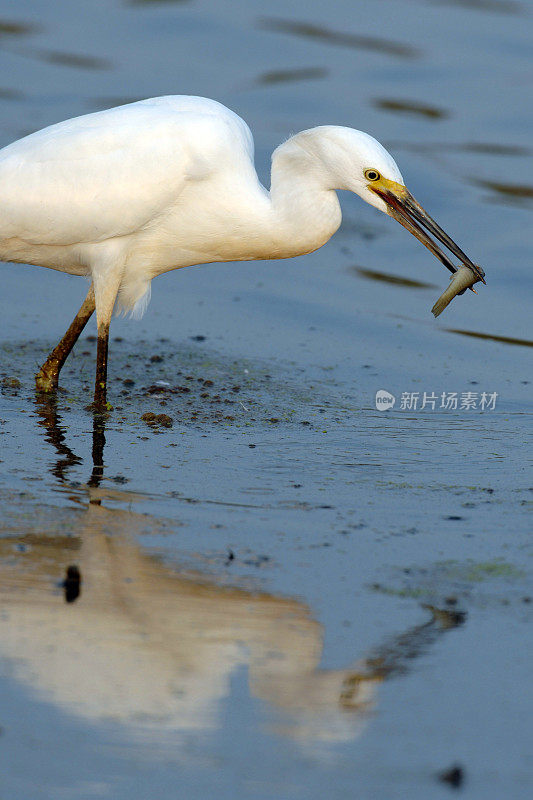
(155, 650)
(46, 408)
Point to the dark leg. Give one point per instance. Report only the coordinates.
(100, 386)
(47, 378)
(106, 286)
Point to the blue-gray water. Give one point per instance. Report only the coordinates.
(288, 594)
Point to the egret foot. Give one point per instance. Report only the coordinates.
(47, 378)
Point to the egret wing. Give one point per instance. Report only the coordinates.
(107, 174)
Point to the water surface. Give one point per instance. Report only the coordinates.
(287, 592)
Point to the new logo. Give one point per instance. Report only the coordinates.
(384, 400)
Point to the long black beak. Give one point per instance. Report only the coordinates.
(404, 208)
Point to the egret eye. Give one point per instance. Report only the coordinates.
(372, 175)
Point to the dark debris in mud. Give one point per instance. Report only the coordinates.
(10, 385)
(195, 386)
(457, 585)
(72, 584)
(454, 776)
(162, 420)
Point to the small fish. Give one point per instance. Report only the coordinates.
(463, 279)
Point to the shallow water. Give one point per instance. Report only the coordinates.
(287, 593)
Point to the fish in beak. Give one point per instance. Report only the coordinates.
(402, 206)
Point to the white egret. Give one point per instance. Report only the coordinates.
(123, 195)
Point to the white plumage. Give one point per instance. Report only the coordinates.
(156, 185)
(123, 195)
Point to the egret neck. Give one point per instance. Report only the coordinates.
(305, 209)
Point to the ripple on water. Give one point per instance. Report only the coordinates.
(410, 107)
(74, 60)
(278, 76)
(356, 41)
(387, 277)
(515, 193)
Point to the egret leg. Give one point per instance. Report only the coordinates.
(100, 386)
(47, 378)
(106, 291)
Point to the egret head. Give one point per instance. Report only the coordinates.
(355, 161)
